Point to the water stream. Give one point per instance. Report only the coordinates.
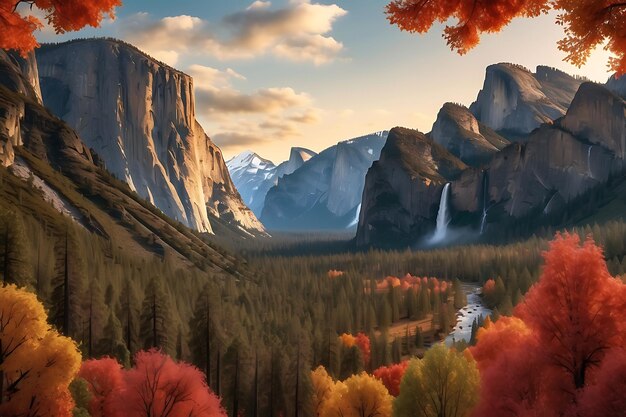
(465, 316)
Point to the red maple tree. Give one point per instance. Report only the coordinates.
(551, 357)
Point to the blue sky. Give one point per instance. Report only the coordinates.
(288, 73)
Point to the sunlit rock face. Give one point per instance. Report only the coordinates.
(254, 176)
(403, 188)
(18, 75)
(325, 192)
(139, 116)
(457, 130)
(514, 101)
(551, 167)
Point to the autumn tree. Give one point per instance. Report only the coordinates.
(37, 364)
(391, 376)
(443, 384)
(587, 23)
(360, 395)
(558, 339)
(104, 379)
(606, 396)
(323, 386)
(159, 387)
(63, 15)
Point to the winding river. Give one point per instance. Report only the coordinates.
(465, 316)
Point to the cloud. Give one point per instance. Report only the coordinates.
(299, 31)
(240, 119)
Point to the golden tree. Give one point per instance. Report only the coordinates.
(37, 364)
(443, 384)
(323, 386)
(360, 395)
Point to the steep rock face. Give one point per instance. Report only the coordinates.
(325, 192)
(457, 130)
(19, 77)
(254, 176)
(515, 101)
(402, 188)
(557, 163)
(139, 117)
(617, 85)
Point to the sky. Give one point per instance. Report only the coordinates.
(270, 75)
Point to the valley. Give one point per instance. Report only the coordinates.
(160, 258)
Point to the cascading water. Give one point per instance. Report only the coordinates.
(443, 216)
(589, 161)
(483, 220)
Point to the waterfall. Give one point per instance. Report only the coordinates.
(589, 161)
(483, 220)
(443, 216)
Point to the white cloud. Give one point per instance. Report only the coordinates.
(298, 31)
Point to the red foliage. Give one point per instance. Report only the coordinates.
(489, 286)
(544, 359)
(391, 376)
(63, 15)
(363, 342)
(587, 23)
(104, 377)
(156, 387)
(159, 387)
(606, 396)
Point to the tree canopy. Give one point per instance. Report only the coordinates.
(63, 15)
(587, 23)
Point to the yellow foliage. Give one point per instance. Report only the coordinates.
(36, 363)
(323, 386)
(360, 395)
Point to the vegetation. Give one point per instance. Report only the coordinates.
(587, 23)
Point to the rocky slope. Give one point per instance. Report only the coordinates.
(139, 116)
(53, 179)
(554, 165)
(254, 176)
(515, 101)
(457, 130)
(402, 188)
(325, 192)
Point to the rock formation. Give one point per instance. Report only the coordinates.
(555, 164)
(325, 192)
(514, 101)
(457, 130)
(254, 176)
(139, 116)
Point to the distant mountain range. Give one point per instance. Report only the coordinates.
(308, 191)
(568, 138)
(254, 176)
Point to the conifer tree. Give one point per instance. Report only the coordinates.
(155, 328)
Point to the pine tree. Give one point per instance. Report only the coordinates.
(155, 327)
(112, 341)
(130, 317)
(68, 294)
(14, 251)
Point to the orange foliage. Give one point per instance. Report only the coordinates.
(62, 15)
(606, 397)
(347, 340)
(587, 23)
(335, 274)
(489, 286)
(553, 352)
(36, 363)
(391, 376)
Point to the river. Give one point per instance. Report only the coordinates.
(465, 316)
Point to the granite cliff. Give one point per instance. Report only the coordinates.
(138, 115)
